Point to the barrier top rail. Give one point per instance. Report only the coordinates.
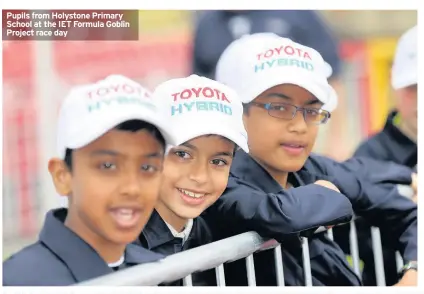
(175, 267)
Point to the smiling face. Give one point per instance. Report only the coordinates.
(195, 174)
(282, 144)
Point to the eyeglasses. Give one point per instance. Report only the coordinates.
(287, 111)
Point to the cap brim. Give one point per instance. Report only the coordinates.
(99, 128)
(218, 128)
(404, 80)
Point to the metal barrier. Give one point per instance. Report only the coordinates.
(214, 255)
(175, 267)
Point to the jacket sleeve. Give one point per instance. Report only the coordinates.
(279, 215)
(372, 187)
(372, 148)
(377, 172)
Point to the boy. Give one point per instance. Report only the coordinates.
(278, 186)
(207, 118)
(111, 143)
(397, 142)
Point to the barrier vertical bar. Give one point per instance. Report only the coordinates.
(278, 260)
(378, 256)
(188, 281)
(220, 275)
(250, 267)
(306, 262)
(354, 251)
(330, 234)
(399, 261)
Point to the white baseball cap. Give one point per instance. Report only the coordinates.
(89, 111)
(197, 106)
(405, 65)
(255, 63)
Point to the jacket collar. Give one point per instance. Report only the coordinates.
(401, 147)
(249, 170)
(82, 260)
(156, 232)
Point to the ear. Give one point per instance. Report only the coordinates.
(61, 176)
(399, 99)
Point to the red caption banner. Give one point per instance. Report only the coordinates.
(68, 25)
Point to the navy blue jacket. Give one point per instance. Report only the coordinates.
(254, 201)
(390, 144)
(215, 30)
(62, 258)
(157, 237)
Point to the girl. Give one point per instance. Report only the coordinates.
(207, 120)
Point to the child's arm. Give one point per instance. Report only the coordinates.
(286, 214)
(372, 187)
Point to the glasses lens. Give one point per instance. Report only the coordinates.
(316, 116)
(281, 110)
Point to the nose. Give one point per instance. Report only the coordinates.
(298, 123)
(199, 173)
(131, 185)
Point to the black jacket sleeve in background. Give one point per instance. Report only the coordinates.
(372, 187)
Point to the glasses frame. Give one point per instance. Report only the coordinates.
(268, 107)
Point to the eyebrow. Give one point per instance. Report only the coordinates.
(314, 100)
(229, 154)
(115, 153)
(188, 145)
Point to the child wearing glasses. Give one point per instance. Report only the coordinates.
(280, 189)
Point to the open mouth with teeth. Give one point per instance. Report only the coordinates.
(192, 198)
(126, 218)
(191, 194)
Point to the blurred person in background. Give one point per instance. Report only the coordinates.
(396, 142)
(215, 30)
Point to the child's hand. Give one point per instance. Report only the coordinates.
(327, 184)
(414, 184)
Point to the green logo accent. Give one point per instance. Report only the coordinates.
(284, 62)
(120, 100)
(182, 108)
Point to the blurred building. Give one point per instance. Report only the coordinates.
(368, 24)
